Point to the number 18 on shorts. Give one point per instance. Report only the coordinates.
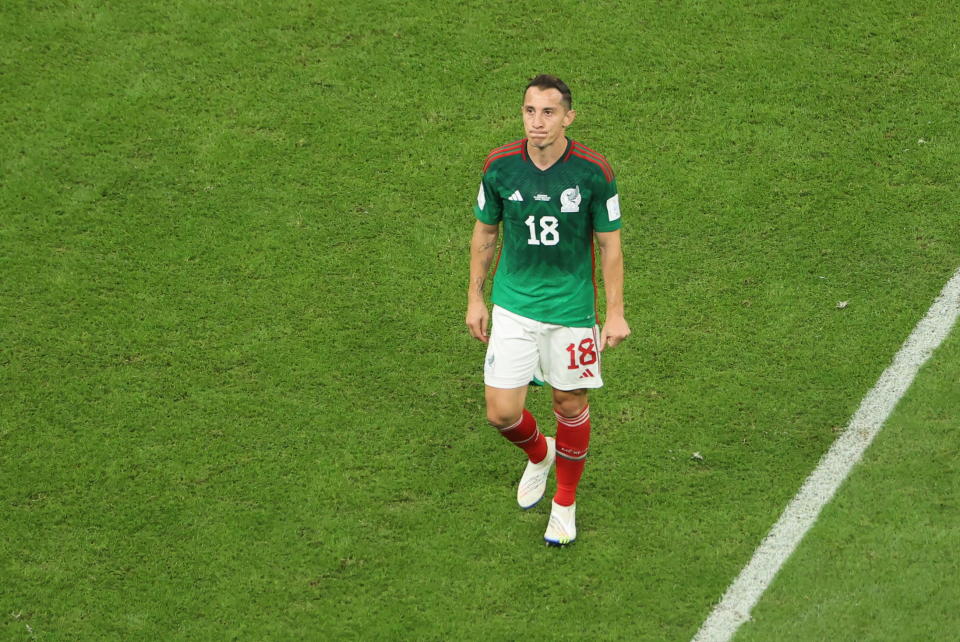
(522, 349)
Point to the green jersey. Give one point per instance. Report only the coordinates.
(545, 271)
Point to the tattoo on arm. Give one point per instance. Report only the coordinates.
(483, 246)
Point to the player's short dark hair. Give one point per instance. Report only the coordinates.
(546, 81)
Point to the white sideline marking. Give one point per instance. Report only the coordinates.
(802, 511)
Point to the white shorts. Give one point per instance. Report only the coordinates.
(522, 349)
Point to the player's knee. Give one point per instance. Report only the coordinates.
(504, 407)
(570, 403)
(501, 418)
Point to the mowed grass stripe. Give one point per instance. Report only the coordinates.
(881, 562)
(802, 512)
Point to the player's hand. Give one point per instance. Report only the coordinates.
(615, 330)
(478, 320)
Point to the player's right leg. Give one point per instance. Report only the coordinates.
(506, 413)
(512, 358)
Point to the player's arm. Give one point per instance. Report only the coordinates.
(615, 328)
(482, 246)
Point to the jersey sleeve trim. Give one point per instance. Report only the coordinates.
(582, 151)
(510, 149)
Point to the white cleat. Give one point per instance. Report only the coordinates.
(562, 527)
(533, 483)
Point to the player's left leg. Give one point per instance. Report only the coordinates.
(572, 442)
(571, 366)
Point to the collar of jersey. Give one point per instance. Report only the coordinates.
(563, 157)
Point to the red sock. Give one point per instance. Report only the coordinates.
(573, 440)
(525, 435)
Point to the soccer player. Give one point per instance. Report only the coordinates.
(553, 196)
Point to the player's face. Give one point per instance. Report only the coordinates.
(545, 118)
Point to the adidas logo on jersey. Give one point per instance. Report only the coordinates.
(515, 196)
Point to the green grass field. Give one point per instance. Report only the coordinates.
(888, 544)
(237, 399)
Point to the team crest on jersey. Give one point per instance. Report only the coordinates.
(570, 200)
